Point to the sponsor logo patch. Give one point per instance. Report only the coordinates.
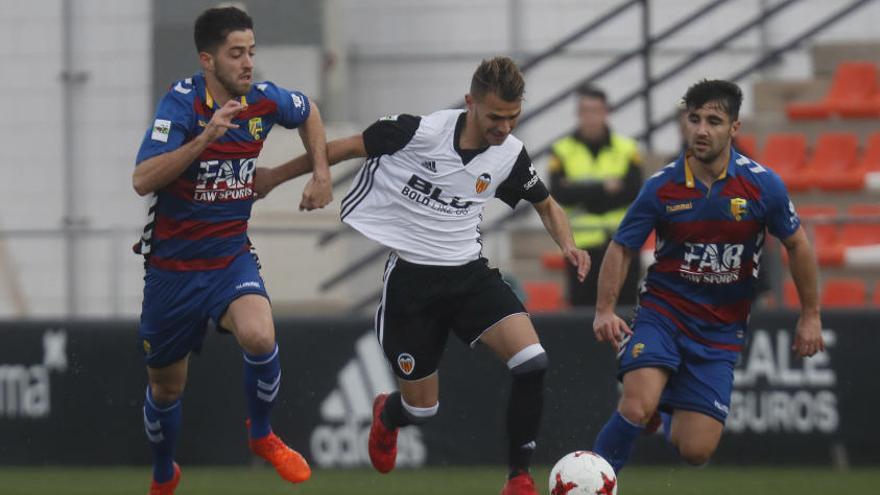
(406, 363)
(679, 207)
(161, 129)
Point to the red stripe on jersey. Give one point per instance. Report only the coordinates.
(739, 187)
(257, 109)
(194, 230)
(182, 188)
(194, 264)
(673, 191)
(711, 231)
(231, 150)
(691, 335)
(724, 314)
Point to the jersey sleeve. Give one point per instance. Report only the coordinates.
(293, 107)
(389, 135)
(522, 183)
(640, 219)
(782, 218)
(171, 125)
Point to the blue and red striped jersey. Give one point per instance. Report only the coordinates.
(709, 243)
(199, 221)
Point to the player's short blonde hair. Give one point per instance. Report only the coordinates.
(501, 76)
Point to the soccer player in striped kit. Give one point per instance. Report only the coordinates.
(198, 162)
(711, 209)
(421, 192)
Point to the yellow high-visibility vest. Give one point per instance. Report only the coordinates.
(578, 164)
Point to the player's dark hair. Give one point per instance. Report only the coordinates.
(588, 90)
(215, 24)
(725, 93)
(501, 76)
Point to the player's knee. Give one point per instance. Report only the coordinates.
(531, 360)
(695, 454)
(166, 393)
(419, 415)
(257, 341)
(635, 410)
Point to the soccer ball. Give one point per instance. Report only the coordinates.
(582, 473)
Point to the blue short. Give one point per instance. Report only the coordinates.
(178, 305)
(702, 376)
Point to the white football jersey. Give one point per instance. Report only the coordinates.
(420, 198)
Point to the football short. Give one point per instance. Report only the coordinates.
(178, 305)
(701, 377)
(421, 303)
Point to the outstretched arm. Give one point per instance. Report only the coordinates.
(338, 150)
(157, 172)
(607, 326)
(319, 191)
(556, 223)
(808, 335)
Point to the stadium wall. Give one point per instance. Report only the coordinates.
(71, 393)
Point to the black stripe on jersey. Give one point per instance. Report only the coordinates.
(362, 188)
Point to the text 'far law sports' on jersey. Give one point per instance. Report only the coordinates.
(199, 220)
(709, 244)
(421, 195)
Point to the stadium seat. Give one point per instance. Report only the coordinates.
(786, 154)
(746, 144)
(862, 233)
(870, 162)
(844, 293)
(825, 235)
(853, 94)
(833, 165)
(543, 296)
(553, 261)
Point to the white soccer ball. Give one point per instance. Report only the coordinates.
(583, 473)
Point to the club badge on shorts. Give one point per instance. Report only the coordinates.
(483, 182)
(406, 363)
(638, 349)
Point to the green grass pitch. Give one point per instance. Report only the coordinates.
(456, 481)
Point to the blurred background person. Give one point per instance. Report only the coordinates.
(595, 174)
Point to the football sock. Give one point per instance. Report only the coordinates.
(616, 440)
(524, 406)
(162, 426)
(262, 380)
(393, 415)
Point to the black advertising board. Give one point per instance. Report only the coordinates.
(71, 393)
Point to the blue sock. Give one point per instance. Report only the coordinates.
(616, 440)
(162, 425)
(262, 380)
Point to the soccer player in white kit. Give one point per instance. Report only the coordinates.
(421, 192)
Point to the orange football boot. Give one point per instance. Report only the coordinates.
(289, 463)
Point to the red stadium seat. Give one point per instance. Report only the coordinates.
(870, 160)
(553, 261)
(853, 94)
(543, 296)
(844, 293)
(833, 166)
(746, 144)
(862, 234)
(786, 154)
(825, 236)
